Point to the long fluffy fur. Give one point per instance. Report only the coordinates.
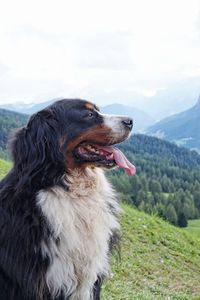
(82, 224)
(55, 226)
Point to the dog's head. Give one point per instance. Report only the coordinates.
(75, 134)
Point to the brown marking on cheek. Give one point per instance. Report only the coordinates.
(99, 134)
(89, 105)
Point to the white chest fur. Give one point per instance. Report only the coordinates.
(82, 221)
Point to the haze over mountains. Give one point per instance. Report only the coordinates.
(159, 102)
(169, 101)
(141, 119)
(182, 128)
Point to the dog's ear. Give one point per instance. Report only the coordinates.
(35, 147)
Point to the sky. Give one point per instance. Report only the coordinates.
(126, 51)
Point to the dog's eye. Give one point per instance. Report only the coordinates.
(90, 114)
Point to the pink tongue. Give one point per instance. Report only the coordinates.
(121, 160)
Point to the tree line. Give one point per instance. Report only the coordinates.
(9, 121)
(167, 181)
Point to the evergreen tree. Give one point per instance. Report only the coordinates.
(197, 198)
(170, 214)
(182, 220)
(155, 186)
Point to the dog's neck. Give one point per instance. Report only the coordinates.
(83, 182)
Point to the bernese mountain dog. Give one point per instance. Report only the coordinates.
(58, 212)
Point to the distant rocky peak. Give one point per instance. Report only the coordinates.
(198, 101)
(197, 105)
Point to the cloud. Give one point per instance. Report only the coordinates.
(3, 69)
(104, 51)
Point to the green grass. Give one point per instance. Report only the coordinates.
(194, 227)
(158, 261)
(4, 167)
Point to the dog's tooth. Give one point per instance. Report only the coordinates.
(90, 148)
(110, 156)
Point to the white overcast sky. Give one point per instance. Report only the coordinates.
(106, 50)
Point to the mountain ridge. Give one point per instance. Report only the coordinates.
(141, 119)
(182, 128)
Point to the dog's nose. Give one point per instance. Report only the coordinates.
(128, 123)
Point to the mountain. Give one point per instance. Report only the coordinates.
(182, 128)
(170, 98)
(28, 108)
(9, 121)
(141, 119)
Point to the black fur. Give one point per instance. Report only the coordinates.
(38, 164)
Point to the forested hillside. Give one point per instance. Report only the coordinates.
(167, 180)
(8, 121)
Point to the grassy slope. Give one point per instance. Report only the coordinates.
(194, 227)
(158, 261)
(4, 167)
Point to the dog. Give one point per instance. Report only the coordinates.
(58, 212)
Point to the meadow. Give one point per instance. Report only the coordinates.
(158, 261)
(4, 167)
(194, 227)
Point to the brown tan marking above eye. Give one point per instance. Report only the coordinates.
(89, 106)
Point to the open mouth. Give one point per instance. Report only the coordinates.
(109, 156)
